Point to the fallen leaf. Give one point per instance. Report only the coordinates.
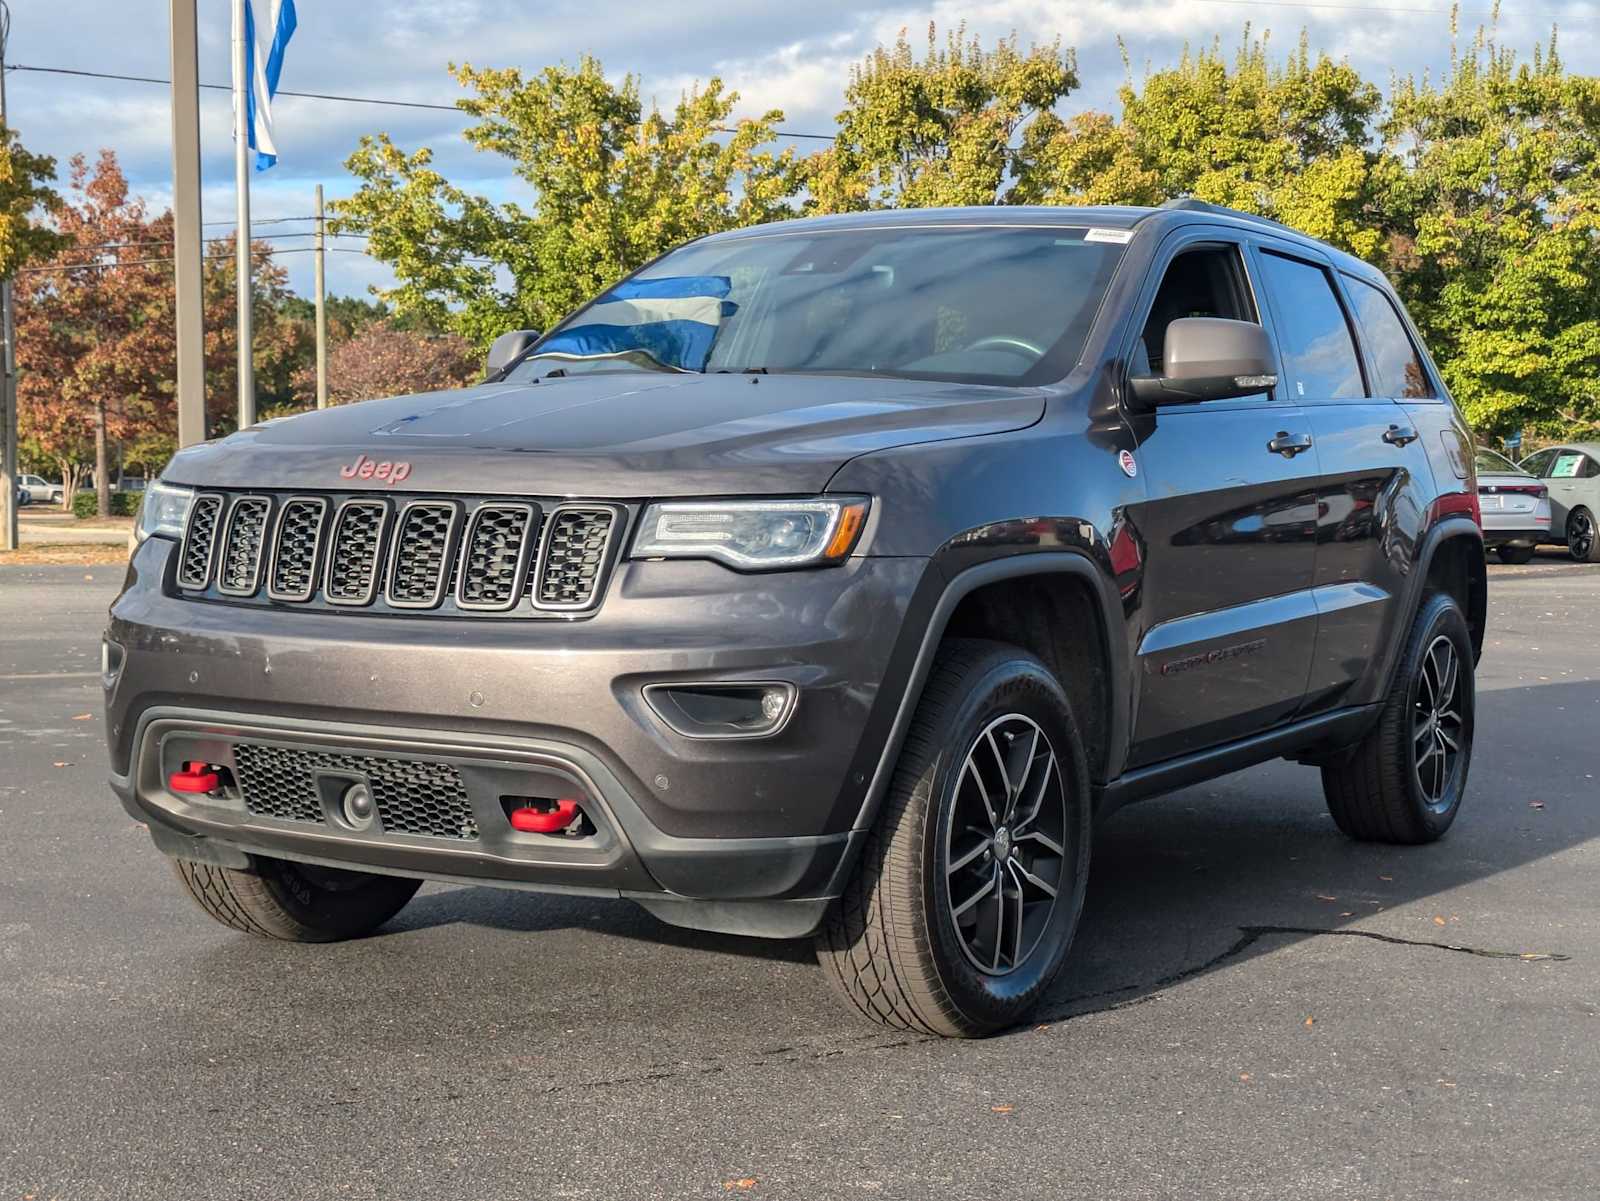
(1437, 920)
(1535, 804)
(1347, 913)
(1244, 1075)
(1320, 897)
(61, 763)
(1000, 1109)
(84, 717)
(1446, 1083)
(744, 1182)
(1310, 1022)
(1041, 1026)
(1390, 878)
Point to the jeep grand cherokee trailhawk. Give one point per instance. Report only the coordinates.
(830, 578)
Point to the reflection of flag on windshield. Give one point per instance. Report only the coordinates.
(673, 319)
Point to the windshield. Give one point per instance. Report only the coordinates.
(1489, 461)
(991, 305)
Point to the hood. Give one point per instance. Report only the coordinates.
(614, 436)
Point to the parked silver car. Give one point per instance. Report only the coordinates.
(40, 490)
(1572, 474)
(1515, 505)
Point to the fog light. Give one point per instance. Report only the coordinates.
(723, 710)
(358, 807)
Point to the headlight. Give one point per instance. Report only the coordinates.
(164, 510)
(752, 535)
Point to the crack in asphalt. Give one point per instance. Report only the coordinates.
(1065, 1010)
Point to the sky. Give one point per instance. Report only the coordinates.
(794, 57)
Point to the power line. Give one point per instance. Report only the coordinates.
(447, 108)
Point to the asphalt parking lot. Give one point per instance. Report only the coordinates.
(1256, 1006)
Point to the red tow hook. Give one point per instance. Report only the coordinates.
(194, 777)
(537, 821)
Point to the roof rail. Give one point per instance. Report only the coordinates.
(1190, 204)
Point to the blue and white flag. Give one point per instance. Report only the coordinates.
(262, 71)
(674, 319)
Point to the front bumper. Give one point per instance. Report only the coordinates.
(679, 820)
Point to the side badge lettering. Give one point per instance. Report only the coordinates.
(1126, 461)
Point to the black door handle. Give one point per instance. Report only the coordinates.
(1288, 445)
(1399, 435)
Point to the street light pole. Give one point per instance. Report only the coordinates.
(320, 257)
(186, 224)
(241, 181)
(8, 359)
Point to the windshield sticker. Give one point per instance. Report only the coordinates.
(1120, 236)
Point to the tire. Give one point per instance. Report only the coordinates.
(1514, 555)
(1402, 783)
(1583, 536)
(295, 902)
(893, 946)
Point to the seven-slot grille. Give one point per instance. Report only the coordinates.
(463, 557)
(413, 797)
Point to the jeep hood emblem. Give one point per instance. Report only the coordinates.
(364, 468)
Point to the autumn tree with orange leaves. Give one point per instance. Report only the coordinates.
(96, 340)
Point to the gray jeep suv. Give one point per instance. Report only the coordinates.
(832, 578)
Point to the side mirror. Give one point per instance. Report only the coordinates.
(507, 347)
(1208, 358)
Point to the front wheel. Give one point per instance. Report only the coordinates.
(1583, 540)
(969, 888)
(295, 902)
(1404, 781)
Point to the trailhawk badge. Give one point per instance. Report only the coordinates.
(1125, 460)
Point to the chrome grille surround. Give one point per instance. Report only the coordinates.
(494, 555)
(244, 536)
(200, 542)
(355, 552)
(423, 554)
(572, 556)
(296, 547)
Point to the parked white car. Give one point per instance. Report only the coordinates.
(39, 490)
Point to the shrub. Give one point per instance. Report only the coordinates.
(123, 504)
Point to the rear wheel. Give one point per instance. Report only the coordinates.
(1515, 555)
(1404, 781)
(1583, 540)
(970, 886)
(296, 902)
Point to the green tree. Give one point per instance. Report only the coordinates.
(614, 184)
(1496, 233)
(1286, 140)
(939, 130)
(25, 197)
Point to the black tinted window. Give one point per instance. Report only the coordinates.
(1536, 464)
(1400, 370)
(1319, 356)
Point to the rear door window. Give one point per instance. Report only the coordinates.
(1395, 358)
(1314, 339)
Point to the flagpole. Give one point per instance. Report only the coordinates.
(241, 179)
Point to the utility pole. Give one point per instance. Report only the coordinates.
(8, 360)
(186, 224)
(241, 181)
(319, 257)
